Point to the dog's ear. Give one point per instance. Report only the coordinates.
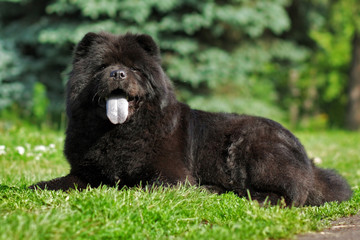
(83, 46)
(148, 44)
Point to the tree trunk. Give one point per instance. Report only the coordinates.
(353, 111)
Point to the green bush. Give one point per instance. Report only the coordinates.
(221, 55)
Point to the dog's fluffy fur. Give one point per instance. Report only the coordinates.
(165, 142)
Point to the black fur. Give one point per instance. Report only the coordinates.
(164, 141)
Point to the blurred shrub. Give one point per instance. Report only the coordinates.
(40, 103)
(234, 55)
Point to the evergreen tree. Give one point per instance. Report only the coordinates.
(252, 56)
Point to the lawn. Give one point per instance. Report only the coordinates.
(28, 155)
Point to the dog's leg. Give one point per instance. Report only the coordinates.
(273, 168)
(63, 183)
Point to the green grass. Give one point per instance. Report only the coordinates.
(165, 213)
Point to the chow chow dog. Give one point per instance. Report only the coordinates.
(126, 128)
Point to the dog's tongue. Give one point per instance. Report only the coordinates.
(117, 109)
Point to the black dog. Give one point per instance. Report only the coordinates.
(126, 127)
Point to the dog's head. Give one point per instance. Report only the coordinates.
(117, 75)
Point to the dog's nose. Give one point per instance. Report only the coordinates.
(118, 74)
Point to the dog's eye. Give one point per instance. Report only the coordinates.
(133, 69)
(102, 67)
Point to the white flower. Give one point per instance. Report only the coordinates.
(317, 160)
(40, 148)
(20, 150)
(2, 150)
(52, 146)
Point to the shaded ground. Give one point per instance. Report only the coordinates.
(344, 228)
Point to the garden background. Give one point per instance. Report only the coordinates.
(296, 61)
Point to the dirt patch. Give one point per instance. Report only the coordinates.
(344, 228)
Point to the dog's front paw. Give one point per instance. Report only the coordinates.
(62, 183)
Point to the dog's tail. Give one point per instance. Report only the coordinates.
(328, 186)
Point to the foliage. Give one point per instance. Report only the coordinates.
(330, 65)
(176, 213)
(258, 57)
(210, 49)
